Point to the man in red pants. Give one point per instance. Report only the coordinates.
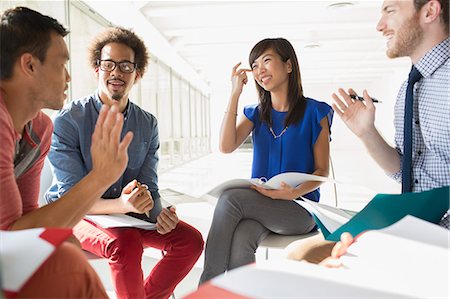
(119, 59)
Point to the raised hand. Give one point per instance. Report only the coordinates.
(238, 79)
(359, 116)
(109, 154)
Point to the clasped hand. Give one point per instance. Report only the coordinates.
(136, 198)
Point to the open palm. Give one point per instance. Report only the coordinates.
(357, 115)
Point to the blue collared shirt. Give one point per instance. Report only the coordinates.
(70, 151)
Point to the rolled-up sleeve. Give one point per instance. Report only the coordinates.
(397, 176)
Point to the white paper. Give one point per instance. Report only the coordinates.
(402, 244)
(17, 263)
(120, 220)
(289, 279)
(409, 259)
(291, 178)
(332, 218)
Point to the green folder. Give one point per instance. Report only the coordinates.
(386, 209)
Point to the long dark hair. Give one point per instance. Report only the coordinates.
(296, 99)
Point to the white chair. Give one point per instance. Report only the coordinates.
(46, 181)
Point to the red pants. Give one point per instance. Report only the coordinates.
(123, 247)
(66, 274)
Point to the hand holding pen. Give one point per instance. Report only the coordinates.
(358, 98)
(139, 186)
(136, 198)
(358, 115)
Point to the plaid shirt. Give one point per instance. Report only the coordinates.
(431, 122)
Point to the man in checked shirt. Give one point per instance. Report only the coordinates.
(418, 29)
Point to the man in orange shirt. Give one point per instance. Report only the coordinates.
(33, 76)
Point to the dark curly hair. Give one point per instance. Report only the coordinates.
(122, 36)
(23, 30)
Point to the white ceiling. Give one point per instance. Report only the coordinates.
(212, 36)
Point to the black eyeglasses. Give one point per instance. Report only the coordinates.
(109, 65)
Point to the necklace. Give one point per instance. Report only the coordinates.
(279, 135)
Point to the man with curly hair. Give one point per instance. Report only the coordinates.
(119, 59)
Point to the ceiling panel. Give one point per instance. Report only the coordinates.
(335, 41)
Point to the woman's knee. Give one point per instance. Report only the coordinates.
(227, 198)
(248, 234)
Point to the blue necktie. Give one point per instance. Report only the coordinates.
(414, 76)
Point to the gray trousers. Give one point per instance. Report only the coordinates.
(242, 219)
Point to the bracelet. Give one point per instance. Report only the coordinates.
(228, 112)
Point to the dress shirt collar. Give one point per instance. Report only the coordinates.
(434, 58)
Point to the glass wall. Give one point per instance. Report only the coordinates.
(181, 109)
(83, 26)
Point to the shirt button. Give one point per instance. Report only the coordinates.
(115, 189)
(416, 181)
(416, 122)
(419, 153)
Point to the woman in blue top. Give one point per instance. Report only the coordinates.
(290, 133)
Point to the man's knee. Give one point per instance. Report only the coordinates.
(190, 237)
(127, 244)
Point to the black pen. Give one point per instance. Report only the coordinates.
(355, 97)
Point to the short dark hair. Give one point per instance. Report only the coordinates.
(296, 99)
(418, 4)
(24, 30)
(122, 36)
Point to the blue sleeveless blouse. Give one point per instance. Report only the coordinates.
(292, 151)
